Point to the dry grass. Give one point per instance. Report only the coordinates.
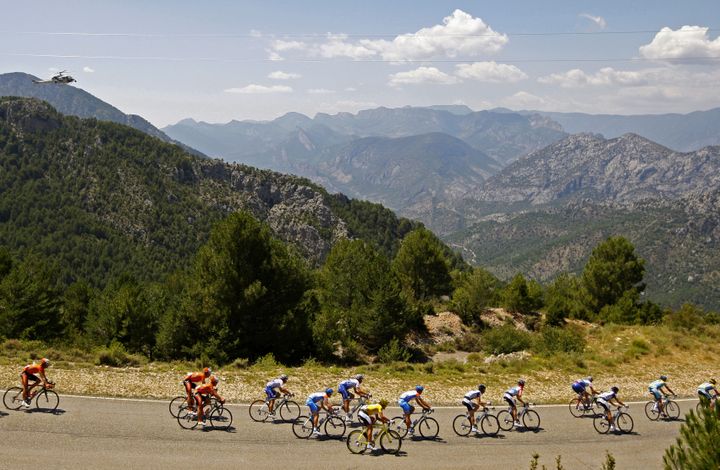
(628, 356)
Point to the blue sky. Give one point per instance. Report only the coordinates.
(221, 60)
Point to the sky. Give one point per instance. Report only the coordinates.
(215, 61)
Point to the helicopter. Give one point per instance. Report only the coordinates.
(59, 78)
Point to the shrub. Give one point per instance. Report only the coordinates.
(393, 351)
(554, 339)
(266, 362)
(240, 363)
(696, 448)
(506, 339)
(115, 355)
(470, 342)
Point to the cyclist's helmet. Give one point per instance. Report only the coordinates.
(329, 391)
(712, 381)
(419, 388)
(663, 377)
(383, 403)
(481, 387)
(214, 380)
(521, 382)
(359, 377)
(615, 389)
(589, 378)
(284, 378)
(207, 372)
(45, 362)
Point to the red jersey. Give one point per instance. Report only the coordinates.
(34, 368)
(195, 377)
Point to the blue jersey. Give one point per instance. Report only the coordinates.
(408, 396)
(656, 385)
(514, 391)
(707, 387)
(350, 384)
(473, 394)
(317, 397)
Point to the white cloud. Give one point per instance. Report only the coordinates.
(274, 56)
(606, 76)
(280, 75)
(87, 69)
(320, 91)
(254, 33)
(687, 42)
(350, 89)
(260, 89)
(422, 75)
(598, 20)
(280, 45)
(490, 71)
(523, 99)
(337, 46)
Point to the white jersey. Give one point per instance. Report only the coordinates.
(473, 394)
(274, 384)
(607, 396)
(407, 396)
(350, 384)
(515, 391)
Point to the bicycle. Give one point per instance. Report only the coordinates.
(623, 422)
(288, 409)
(670, 408)
(179, 404)
(390, 441)
(705, 403)
(580, 407)
(360, 401)
(45, 398)
(427, 427)
(332, 424)
(484, 420)
(214, 411)
(530, 419)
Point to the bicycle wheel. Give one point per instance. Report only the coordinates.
(47, 400)
(398, 425)
(356, 441)
(221, 418)
(289, 411)
(13, 399)
(462, 425)
(601, 424)
(531, 420)
(672, 410)
(302, 427)
(428, 428)
(624, 423)
(390, 442)
(187, 420)
(505, 420)
(490, 425)
(258, 411)
(176, 404)
(335, 427)
(652, 411)
(699, 407)
(577, 409)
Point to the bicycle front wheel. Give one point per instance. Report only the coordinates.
(13, 398)
(303, 427)
(505, 420)
(356, 441)
(531, 420)
(577, 409)
(462, 425)
(398, 425)
(176, 405)
(428, 428)
(490, 425)
(289, 411)
(601, 424)
(335, 427)
(672, 410)
(258, 411)
(47, 400)
(624, 423)
(221, 418)
(390, 442)
(652, 411)
(187, 420)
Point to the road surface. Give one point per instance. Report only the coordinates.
(124, 434)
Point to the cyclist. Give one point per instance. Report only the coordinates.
(580, 387)
(408, 409)
(368, 414)
(271, 390)
(511, 395)
(655, 388)
(190, 382)
(323, 399)
(605, 399)
(473, 407)
(704, 392)
(28, 375)
(344, 389)
(204, 391)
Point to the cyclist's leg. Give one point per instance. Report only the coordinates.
(24, 381)
(271, 396)
(200, 408)
(189, 393)
(314, 412)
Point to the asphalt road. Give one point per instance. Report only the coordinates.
(104, 433)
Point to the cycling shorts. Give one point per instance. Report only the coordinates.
(469, 405)
(604, 404)
(365, 418)
(346, 395)
(509, 399)
(578, 388)
(314, 408)
(656, 394)
(271, 393)
(406, 407)
(32, 377)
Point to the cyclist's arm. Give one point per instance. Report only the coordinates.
(361, 391)
(669, 389)
(619, 403)
(327, 405)
(285, 391)
(383, 418)
(215, 394)
(593, 390)
(44, 378)
(423, 403)
(519, 398)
